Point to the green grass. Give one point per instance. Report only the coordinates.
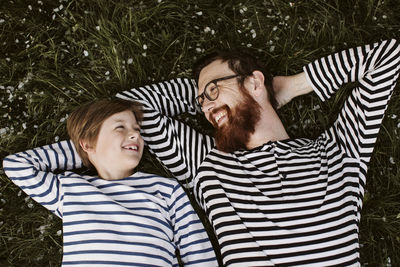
(58, 54)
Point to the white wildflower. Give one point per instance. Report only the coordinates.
(398, 125)
(274, 28)
(200, 13)
(384, 17)
(42, 229)
(393, 116)
(272, 48)
(98, 28)
(144, 54)
(85, 53)
(56, 138)
(107, 73)
(59, 232)
(29, 7)
(391, 160)
(144, 47)
(198, 50)
(253, 33)
(249, 45)
(30, 205)
(287, 17)
(207, 29)
(130, 61)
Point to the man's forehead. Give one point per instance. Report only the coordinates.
(212, 71)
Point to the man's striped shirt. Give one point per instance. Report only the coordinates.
(289, 202)
(140, 220)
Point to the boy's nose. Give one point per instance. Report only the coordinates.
(133, 134)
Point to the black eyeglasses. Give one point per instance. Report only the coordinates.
(211, 90)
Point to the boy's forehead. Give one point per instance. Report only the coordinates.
(123, 116)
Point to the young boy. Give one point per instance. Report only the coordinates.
(120, 217)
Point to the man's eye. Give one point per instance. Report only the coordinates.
(120, 127)
(213, 90)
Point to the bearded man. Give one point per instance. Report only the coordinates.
(271, 199)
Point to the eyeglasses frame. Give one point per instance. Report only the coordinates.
(215, 81)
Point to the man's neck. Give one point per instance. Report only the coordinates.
(269, 128)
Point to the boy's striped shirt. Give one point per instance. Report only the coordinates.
(140, 220)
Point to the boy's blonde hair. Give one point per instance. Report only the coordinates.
(85, 122)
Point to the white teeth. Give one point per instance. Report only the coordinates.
(131, 147)
(219, 116)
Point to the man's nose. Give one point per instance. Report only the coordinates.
(208, 105)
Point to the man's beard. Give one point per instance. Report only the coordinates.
(241, 121)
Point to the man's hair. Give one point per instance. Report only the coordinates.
(241, 63)
(84, 123)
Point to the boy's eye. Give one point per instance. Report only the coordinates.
(120, 127)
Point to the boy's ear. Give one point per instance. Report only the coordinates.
(85, 146)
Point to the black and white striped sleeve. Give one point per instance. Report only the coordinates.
(376, 69)
(179, 147)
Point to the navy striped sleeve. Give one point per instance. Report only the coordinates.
(32, 171)
(189, 234)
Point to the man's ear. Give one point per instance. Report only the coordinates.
(85, 146)
(258, 80)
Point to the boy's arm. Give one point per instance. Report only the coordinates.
(190, 236)
(180, 148)
(33, 169)
(376, 69)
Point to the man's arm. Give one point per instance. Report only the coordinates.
(32, 171)
(179, 147)
(288, 87)
(190, 236)
(376, 69)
